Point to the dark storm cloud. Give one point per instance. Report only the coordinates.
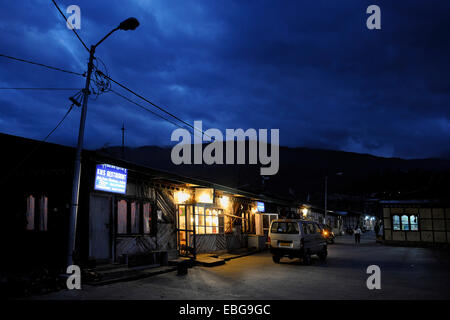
(311, 69)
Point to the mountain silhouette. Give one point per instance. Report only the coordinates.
(302, 173)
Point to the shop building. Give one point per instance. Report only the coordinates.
(416, 222)
(125, 210)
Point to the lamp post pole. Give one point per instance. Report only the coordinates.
(77, 169)
(128, 24)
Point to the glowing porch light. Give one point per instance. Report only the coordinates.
(205, 198)
(224, 201)
(304, 212)
(181, 197)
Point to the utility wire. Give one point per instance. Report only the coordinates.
(147, 109)
(73, 29)
(153, 104)
(55, 89)
(42, 65)
(59, 123)
(109, 78)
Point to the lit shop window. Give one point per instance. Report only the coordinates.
(414, 223)
(185, 217)
(182, 217)
(122, 217)
(147, 217)
(208, 221)
(200, 220)
(396, 222)
(406, 223)
(190, 217)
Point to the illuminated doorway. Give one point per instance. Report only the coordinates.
(185, 230)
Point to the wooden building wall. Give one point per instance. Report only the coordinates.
(165, 238)
(166, 228)
(233, 237)
(434, 224)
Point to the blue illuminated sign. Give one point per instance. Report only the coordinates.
(111, 178)
(260, 206)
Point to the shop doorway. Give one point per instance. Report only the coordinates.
(99, 227)
(185, 231)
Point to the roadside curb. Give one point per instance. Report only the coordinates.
(236, 256)
(214, 260)
(141, 274)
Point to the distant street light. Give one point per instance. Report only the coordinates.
(128, 24)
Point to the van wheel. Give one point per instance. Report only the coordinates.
(276, 259)
(307, 259)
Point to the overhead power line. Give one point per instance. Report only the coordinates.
(73, 29)
(52, 89)
(42, 65)
(153, 104)
(59, 123)
(147, 109)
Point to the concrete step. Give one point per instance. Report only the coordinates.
(235, 254)
(123, 271)
(113, 276)
(206, 261)
(175, 262)
(228, 256)
(106, 267)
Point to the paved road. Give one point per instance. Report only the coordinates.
(406, 273)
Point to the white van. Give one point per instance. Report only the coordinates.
(296, 238)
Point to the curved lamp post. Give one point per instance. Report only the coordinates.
(128, 24)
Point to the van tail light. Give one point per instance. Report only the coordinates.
(268, 239)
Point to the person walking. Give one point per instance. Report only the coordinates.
(357, 235)
(377, 229)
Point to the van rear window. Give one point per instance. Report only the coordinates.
(285, 227)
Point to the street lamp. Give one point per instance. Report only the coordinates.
(128, 24)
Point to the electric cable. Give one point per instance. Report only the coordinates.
(42, 65)
(147, 109)
(153, 104)
(73, 29)
(45, 89)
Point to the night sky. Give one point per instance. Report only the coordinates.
(309, 68)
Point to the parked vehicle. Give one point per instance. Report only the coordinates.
(296, 238)
(327, 233)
